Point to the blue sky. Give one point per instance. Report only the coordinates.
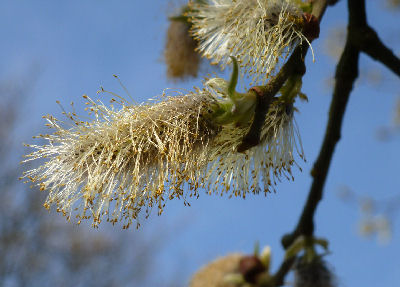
(72, 48)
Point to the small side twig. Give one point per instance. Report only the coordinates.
(279, 277)
(266, 93)
(368, 41)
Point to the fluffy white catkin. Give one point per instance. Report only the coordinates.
(123, 162)
(257, 32)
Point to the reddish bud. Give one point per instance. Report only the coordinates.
(311, 26)
(250, 267)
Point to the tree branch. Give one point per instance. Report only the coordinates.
(346, 74)
(368, 41)
(357, 14)
(361, 38)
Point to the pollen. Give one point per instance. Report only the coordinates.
(125, 161)
(259, 33)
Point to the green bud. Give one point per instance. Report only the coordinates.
(232, 106)
(292, 88)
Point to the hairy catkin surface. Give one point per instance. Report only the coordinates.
(258, 33)
(125, 162)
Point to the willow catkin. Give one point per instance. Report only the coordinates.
(123, 162)
(257, 32)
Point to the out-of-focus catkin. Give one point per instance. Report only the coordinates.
(313, 274)
(214, 273)
(180, 56)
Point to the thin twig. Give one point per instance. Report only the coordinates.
(368, 41)
(279, 277)
(346, 74)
